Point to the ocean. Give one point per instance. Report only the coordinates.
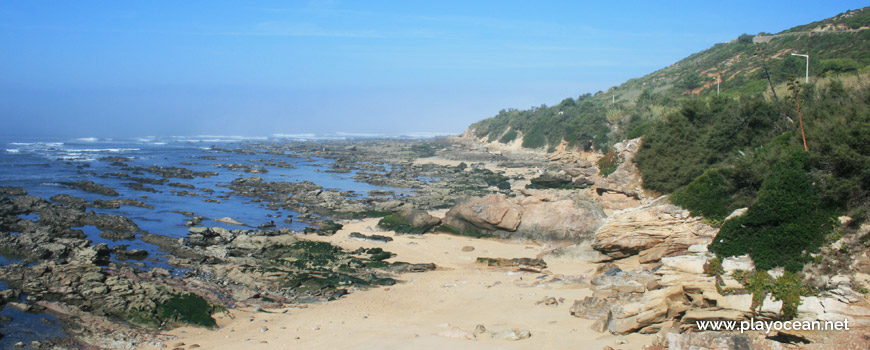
(40, 166)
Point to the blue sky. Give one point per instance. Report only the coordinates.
(256, 68)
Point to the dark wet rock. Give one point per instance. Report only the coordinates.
(409, 221)
(114, 223)
(378, 238)
(139, 187)
(116, 203)
(196, 220)
(403, 267)
(178, 172)
(323, 228)
(148, 180)
(12, 191)
(67, 199)
(111, 159)
(248, 168)
(532, 263)
(552, 180)
(122, 253)
(90, 186)
(182, 185)
(209, 236)
(183, 212)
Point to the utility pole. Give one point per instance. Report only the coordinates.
(807, 56)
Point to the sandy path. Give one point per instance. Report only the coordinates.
(410, 315)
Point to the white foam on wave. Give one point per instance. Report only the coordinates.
(427, 135)
(357, 134)
(13, 150)
(87, 139)
(294, 136)
(38, 144)
(113, 150)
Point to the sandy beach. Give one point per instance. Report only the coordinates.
(431, 310)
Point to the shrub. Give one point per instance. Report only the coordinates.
(786, 223)
(508, 136)
(709, 195)
(608, 164)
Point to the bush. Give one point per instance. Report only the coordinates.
(608, 164)
(789, 289)
(787, 222)
(709, 195)
(508, 136)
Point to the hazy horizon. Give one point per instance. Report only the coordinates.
(88, 69)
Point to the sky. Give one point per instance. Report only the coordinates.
(259, 68)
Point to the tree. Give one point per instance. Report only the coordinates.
(691, 81)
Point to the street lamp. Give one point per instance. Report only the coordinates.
(807, 80)
(717, 85)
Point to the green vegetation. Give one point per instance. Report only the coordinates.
(465, 232)
(398, 224)
(743, 147)
(713, 267)
(608, 163)
(785, 224)
(508, 136)
(742, 68)
(719, 154)
(787, 288)
(709, 195)
(187, 308)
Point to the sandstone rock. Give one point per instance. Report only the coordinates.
(512, 334)
(692, 316)
(541, 215)
(692, 264)
(734, 263)
(457, 333)
(659, 230)
(581, 252)
(708, 341)
(491, 212)
(229, 220)
(736, 213)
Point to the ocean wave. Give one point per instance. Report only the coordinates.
(357, 134)
(427, 135)
(43, 144)
(113, 150)
(294, 136)
(87, 139)
(13, 150)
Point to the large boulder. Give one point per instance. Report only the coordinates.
(490, 213)
(653, 231)
(539, 215)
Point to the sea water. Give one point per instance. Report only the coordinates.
(41, 165)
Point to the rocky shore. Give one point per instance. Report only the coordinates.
(476, 246)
